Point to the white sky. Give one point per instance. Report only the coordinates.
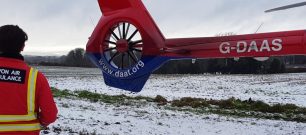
(57, 26)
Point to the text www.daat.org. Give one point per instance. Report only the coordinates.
(124, 73)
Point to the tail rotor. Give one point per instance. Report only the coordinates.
(123, 46)
(126, 44)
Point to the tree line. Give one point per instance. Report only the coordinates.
(74, 58)
(223, 66)
(77, 58)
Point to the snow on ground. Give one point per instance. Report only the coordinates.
(100, 118)
(280, 88)
(151, 120)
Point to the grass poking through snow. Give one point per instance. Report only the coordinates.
(237, 107)
(230, 107)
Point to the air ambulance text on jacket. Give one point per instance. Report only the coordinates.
(25, 98)
(12, 75)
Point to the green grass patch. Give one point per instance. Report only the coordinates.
(230, 107)
(96, 97)
(188, 101)
(237, 107)
(233, 103)
(61, 93)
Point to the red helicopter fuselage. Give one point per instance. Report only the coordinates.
(128, 46)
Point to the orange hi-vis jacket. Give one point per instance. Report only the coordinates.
(26, 101)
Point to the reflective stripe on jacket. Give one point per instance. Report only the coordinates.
(11, 122)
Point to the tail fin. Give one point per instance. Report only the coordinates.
(109, 6)
(126, 44)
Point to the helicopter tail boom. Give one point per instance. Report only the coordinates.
(251, 45)
(128, 46)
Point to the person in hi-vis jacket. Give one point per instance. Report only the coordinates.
(26, 101)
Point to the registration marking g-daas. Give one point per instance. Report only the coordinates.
(266, 45)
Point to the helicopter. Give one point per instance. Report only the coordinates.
(128, 46)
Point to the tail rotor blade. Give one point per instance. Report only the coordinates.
(286, 7)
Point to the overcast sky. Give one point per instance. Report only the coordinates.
(57, 26)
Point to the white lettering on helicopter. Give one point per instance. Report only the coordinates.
(123, 73)
(105, 68)
(131, 71)
(243, 46)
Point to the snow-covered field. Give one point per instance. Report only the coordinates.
(77, 116)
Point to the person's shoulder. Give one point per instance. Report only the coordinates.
(40, 75)
(41, 80)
